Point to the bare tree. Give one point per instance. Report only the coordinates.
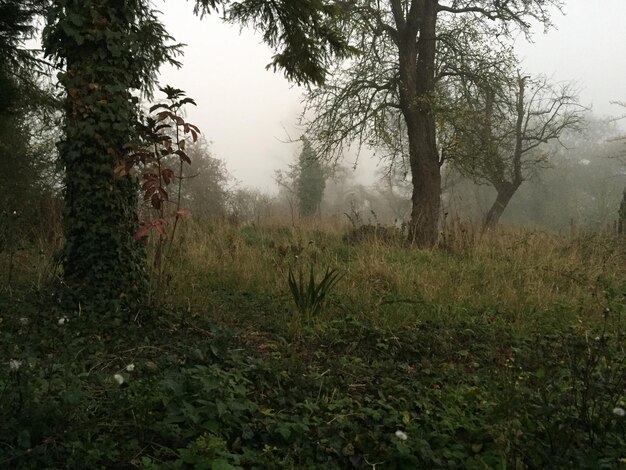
(499, 138)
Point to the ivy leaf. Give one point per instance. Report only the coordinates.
(222, 465)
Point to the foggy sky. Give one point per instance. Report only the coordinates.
(248, 112)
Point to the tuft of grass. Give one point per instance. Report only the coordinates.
(310, 296)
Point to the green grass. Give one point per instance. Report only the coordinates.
(506, 351)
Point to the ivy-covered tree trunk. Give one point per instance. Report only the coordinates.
(104, 267)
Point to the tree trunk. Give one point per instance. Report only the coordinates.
(504, 196)
(104, 266)
(426, 197)
(417, 85)
(621, 221)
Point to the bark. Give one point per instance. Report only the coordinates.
(417, 54)
(621, 222)
(506, 189)
(504, 196)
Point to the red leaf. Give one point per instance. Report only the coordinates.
(182, 213)
(149, 183)
(143, 231)
(183, 156)
(161, 126)
(155, 200)
(157, 106)
(167, 174)
(163, 115)
(187, 100)
(160, 227)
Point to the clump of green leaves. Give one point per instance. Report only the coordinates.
(309, 296)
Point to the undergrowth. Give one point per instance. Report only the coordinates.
(509, 353)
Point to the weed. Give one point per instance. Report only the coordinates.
(309, 296)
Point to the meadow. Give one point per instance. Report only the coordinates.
(496, 350)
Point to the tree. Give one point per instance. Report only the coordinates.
(111, 51)
(310, 181)
(27, 109)
(250, 205)
(205, 192)
(500, 136)
(388, 95)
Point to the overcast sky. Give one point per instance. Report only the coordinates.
(248, 112)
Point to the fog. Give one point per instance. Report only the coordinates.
(249, 113)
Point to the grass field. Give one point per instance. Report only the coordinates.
(502, 350)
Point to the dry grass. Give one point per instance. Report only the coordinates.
(522, 278)
(518, 278)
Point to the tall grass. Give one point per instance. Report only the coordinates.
(519, 278)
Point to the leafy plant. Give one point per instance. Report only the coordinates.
(309, 296)
(164, 137)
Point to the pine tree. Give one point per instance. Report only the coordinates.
(310, 181)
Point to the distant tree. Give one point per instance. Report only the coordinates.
(580, 186)
(621, 216)
(286, 181)
(205, 192)
(249, 205)
(499, 137)
(621, 222)
(310, 181)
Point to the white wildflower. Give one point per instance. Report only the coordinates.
(14, 364)
(619, 411)
(401, 435)
(63, 320)
(119, 379)
(130, 367)
(24, 321)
